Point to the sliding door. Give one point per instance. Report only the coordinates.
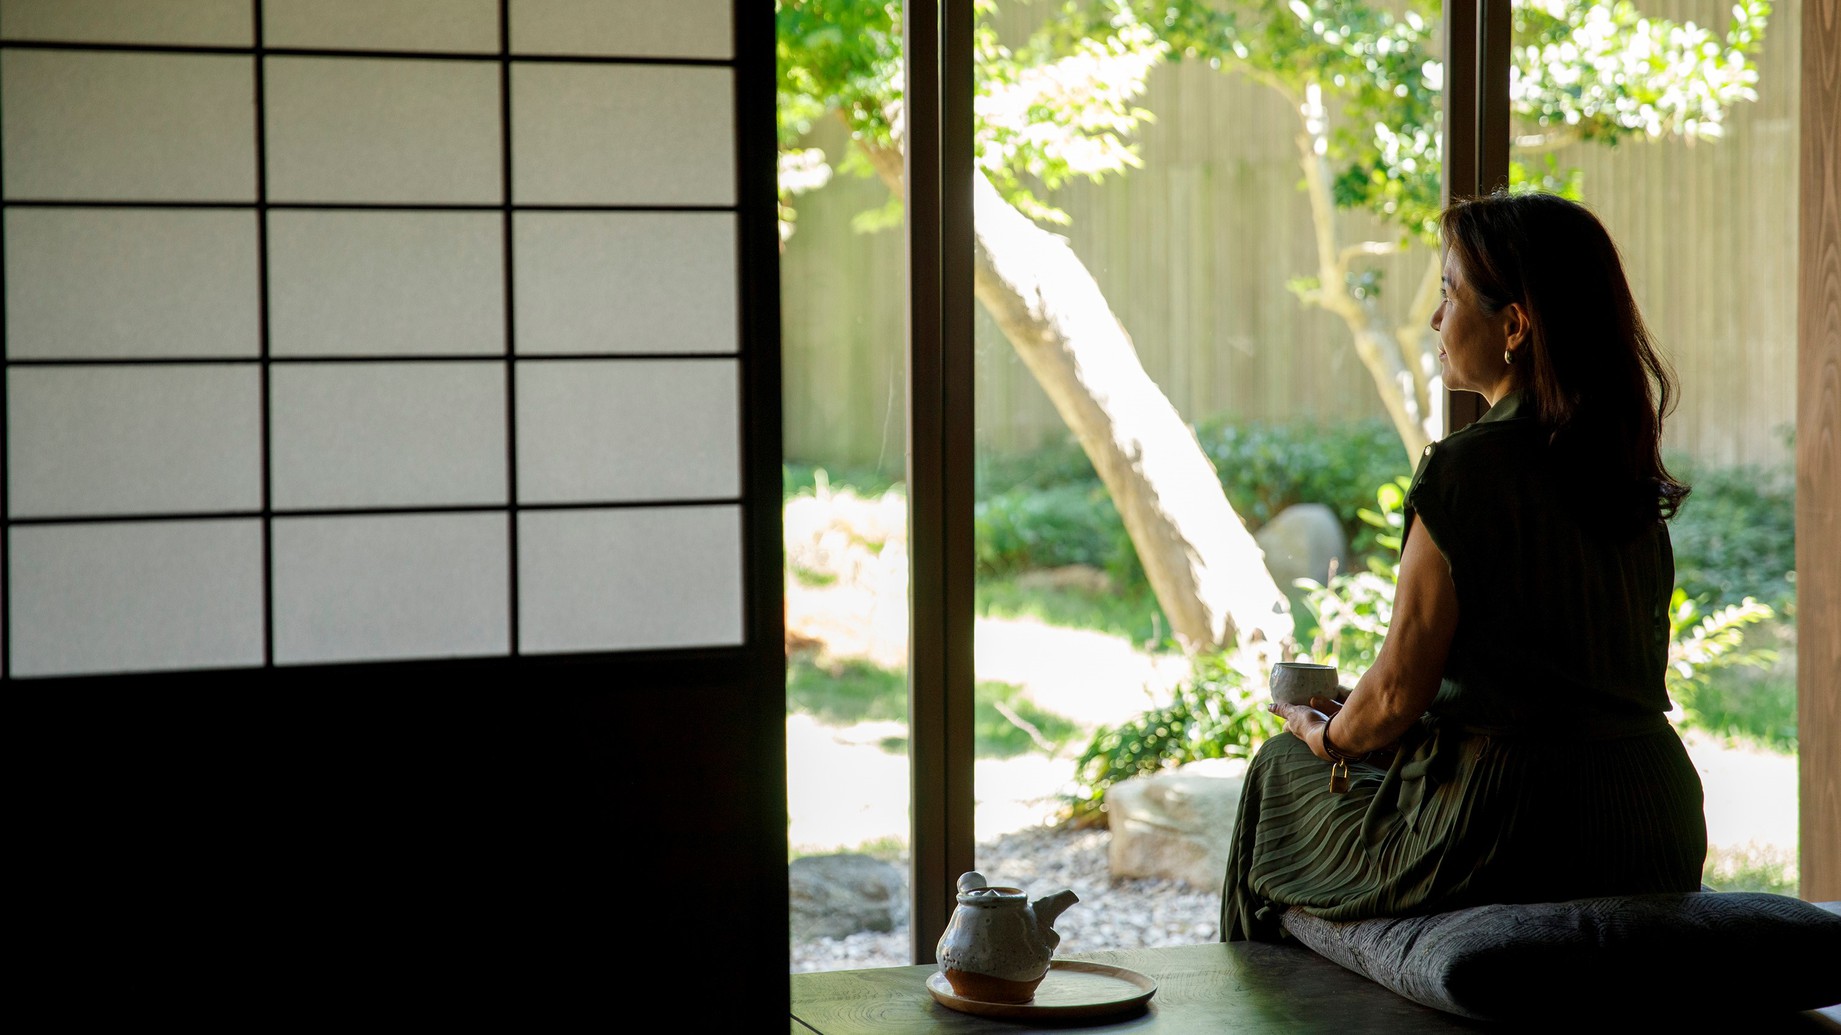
(392, 429)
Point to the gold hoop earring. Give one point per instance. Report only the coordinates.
(1508, 357)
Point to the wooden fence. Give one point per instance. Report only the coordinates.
(1193, 251)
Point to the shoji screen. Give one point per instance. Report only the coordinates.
(362, 330)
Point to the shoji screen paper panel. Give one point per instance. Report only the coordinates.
(359, 330)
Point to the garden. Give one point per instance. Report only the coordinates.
(1052, 555)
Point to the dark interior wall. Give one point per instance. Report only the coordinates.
(436, 839)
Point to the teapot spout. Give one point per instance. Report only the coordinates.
(1048, 907)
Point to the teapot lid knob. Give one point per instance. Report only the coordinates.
(970, 880)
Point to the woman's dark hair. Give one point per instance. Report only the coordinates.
(1588, 365)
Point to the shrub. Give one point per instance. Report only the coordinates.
(1347, 618)
(1049, 508)
(1061, 463)
(1047, 527)
(1212, 714)
(1267, 466)
(1701, 643)
(1735, 537)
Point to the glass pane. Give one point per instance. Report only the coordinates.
(1179, 417)
(1701, 198)
(843, 324)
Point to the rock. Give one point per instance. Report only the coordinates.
(1301, 542)
(833, 896)
(1175, 824)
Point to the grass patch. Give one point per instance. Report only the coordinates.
(887, 849)
(1005, 722)
(1768, 868)
(812, 577)
(1132, 613)
(1758, 708)
(797, 478)
(845, 692)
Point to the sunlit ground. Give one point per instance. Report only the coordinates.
(845, 789)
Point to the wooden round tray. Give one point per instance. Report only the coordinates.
(1070, 990)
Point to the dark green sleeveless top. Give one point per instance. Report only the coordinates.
(1562, 628)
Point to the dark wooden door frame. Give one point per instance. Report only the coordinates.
(1818, 457)
(937, 35)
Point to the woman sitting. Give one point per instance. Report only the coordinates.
(1510, 742)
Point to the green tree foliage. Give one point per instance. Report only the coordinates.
(1365, 78)
(1702, 642)
(1058, 107)
(1582, 71)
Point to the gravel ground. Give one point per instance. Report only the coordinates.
(1110, 914)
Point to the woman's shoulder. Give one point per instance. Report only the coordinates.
(1489, 437)
(1483, 449)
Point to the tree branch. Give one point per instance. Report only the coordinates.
(1414, 333)
(1386, 365)
(1541, 143)
(1366, 249)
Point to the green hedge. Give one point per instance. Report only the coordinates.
(1268, 466)
(1050, 508)
(1736, 536)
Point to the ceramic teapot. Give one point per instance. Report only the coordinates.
(997, 946)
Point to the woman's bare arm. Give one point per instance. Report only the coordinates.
(1396, 691)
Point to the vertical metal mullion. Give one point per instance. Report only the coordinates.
(260, 70)
(509, 304)
(957, 434)
(1461, 49)
(937, 178)
(6, 448)
(1476, 125)
(1495, 25)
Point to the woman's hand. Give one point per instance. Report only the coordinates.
(1304, 721)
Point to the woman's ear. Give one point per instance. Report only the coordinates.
(1515, 325)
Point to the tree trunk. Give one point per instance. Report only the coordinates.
(1394, 362)
(1207, 570)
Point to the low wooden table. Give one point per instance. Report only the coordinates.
(1246, 988)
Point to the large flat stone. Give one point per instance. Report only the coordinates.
(1175, 824)
(834, 896)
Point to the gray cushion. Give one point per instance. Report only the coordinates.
(1693, 955)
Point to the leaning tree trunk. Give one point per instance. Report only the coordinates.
(1208, 572)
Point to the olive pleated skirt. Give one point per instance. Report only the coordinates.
(1460, 819)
